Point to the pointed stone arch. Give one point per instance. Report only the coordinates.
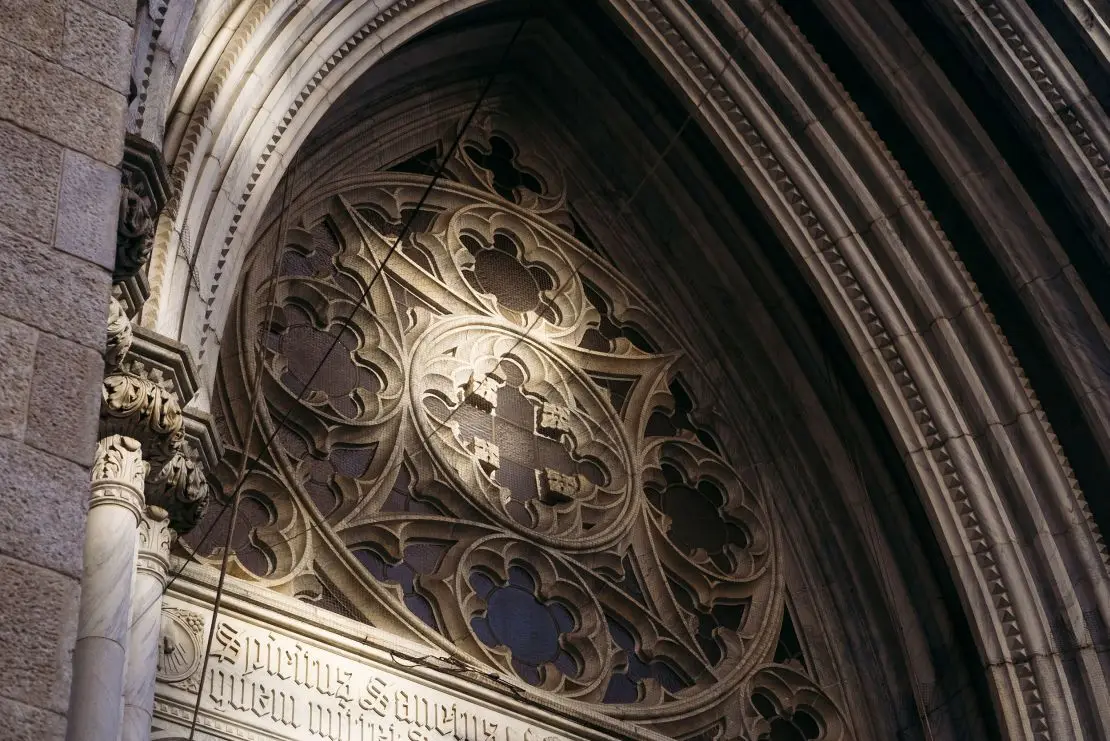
(953, 396)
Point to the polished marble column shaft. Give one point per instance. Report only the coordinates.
(111, 539)
(146, 624)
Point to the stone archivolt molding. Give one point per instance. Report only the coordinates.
(956, 262)
(185, 141)
(1046, 83)
(945, 459)
(150, 21)
(477, 442)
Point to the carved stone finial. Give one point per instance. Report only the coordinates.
(140, 408)
(118, 473)
(181, 488)
(120, 335)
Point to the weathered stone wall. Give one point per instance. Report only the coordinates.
(63, 82)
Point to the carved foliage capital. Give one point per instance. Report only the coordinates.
(155, 538)
(118, 473)
(139, 408)
(182, 490)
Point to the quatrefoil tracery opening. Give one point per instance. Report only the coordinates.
(698, 520)
(500, 270)
(319, 366)
(531, 628)
(312, 257)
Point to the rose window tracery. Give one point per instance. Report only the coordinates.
(629, 675)
(502, 453)
(785, 725)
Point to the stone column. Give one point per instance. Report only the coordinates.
(146, 624)
(111, 539)
(129, 525)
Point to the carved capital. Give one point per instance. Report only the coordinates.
(118, 473)
(155, 538)
(181, 489)
(120, 335)
(141, 409)
(143, 190)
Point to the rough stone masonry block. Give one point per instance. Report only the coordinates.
(65, 397)
(61, 105)
(30, 168)
(53, 291)
(88, 208)
(38, 25)
(97, 45)
(43, 499)
(37, 633)
(26, 723)
(122, 9)
(17, 359)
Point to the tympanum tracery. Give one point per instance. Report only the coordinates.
(507, 453)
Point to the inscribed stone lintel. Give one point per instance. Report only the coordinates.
(267, 682)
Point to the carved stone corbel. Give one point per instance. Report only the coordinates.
(120, 335)
(143, 194)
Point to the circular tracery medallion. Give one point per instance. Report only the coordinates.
(524, 434)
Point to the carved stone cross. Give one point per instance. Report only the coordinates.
(524, 444)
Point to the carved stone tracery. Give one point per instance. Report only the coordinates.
(466, 457)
